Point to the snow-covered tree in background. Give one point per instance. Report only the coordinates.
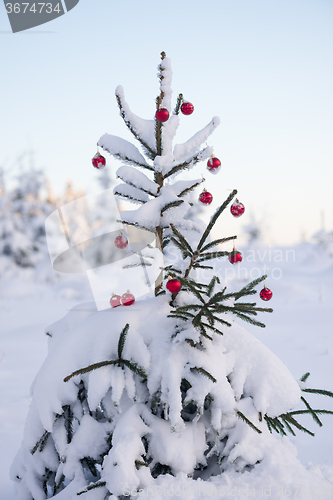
(23, 210)
(170, 385)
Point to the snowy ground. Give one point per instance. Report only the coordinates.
(299, 332)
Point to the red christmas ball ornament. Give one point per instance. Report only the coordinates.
(115, 300)
(121, 241)
(162, 115)
(213, 165)
(127, 299)
(237, 209)
(205, 197)
(98, 161)
(187, 108)
(235, 257)
(266, 293)
(174, 285)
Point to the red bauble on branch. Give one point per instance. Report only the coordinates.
(235, 256)
(187, 108)
(121, 242)
(237, 209)
(174, 285)
(115, 300)
(266, 293)
(162, 115)
(98, 161)
(127, 299)
(205, 197)
(213, 165)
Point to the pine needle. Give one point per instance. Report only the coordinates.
(181, 239)
(40, 445)
(215, 217)
(186, 253)
(319, 391)
(218, 242)
(89, 368)
(171, 205)
(246, 420)
(313, 414)
(135, 368)
(204, 372)
(305, 377)
(99, 484)
(122, 339)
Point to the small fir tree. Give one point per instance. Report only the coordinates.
(171, 385)
(23, 210)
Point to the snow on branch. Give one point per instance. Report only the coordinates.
(122, 149)
(137, 180)
(191, 146)
(130, 193)
(188, 163)
(183, 187)
(143, 130)
(165, 76)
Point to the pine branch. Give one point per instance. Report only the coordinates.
(130, 183)
(40, 445)
(216, 330)
(250, 320)
(323, 392)
(68, 417)
(125, 159)
(279, 426)
(211, 285)
(140, 463)
(313, 413)
(198, 266)
(135, 368)
(305, 377)
(122, 339)
(209, 316)
(172, 204)
(248, 422)
(203, 332)
(150, 152)
(181, 239)
(320, 412)
(128, 197)
(218, 242)
(271, 424)
(90, 368)
(188, 284)
(190, 342)
(195, 159)
(291, 420)
(286, 423)
(178, 104)
(222, 321)
(158, 131)
(141, 264)
(184, 251)
(204, 372)
(211, 255)
(99, 484)
(215, 217)
(178, 316)
(136, 224)
(187, 190)
(91, 464)
(251, 285)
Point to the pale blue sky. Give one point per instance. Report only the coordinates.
(264, 66)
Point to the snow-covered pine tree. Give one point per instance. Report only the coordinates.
(170, 385)
(23, 210)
